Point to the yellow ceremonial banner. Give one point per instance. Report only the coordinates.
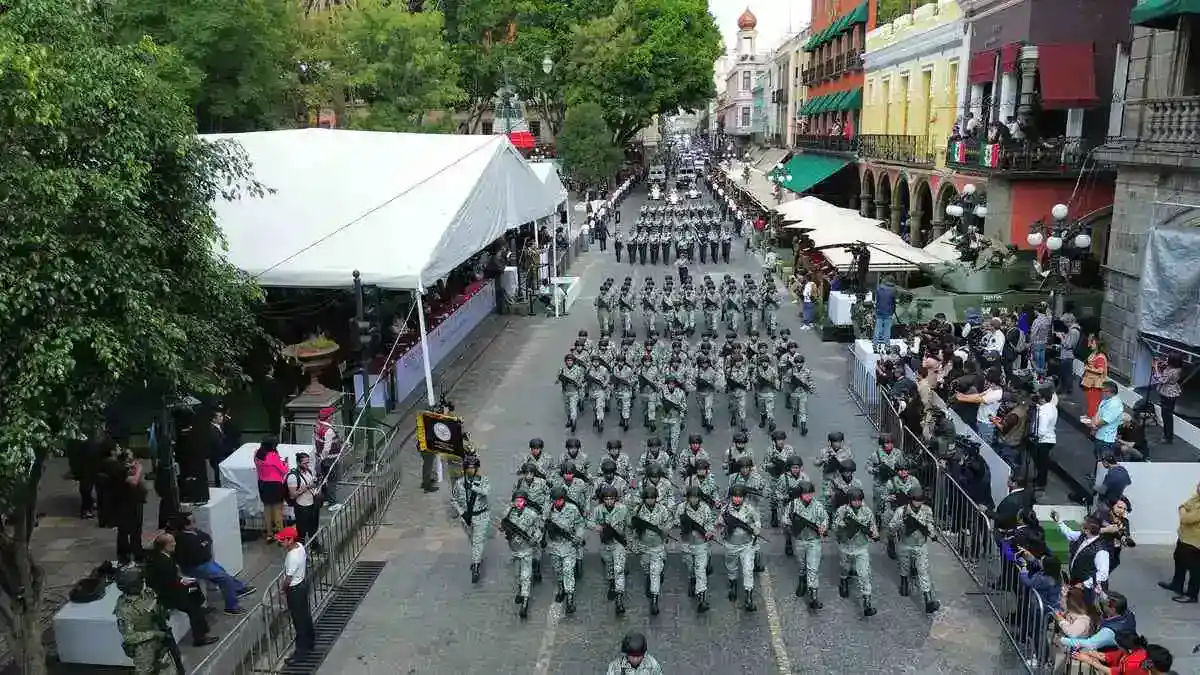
(440, 433)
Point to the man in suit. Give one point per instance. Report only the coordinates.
(213, 442)
(1012, 510)
(177, 592)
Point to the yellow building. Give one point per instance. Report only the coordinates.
(910, 101)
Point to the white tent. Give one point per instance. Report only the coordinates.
(403, 209)
(830, 227)
(943, 248)
(548, 173)
(809, 207)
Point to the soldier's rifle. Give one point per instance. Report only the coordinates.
(799, 522)
(510, 529)
(911, 525)
(642, 525)
(853, 526)
(169, 641)
(732, 521)
(608, 534)
(558, 532)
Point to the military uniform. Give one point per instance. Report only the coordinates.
(912, 525)
(649, 522)
(896, 493)
(741, 526)
(807, 521)
(674, 412)
(711, 304)
(522, 527)
(767, 376)
(654, 454)
(770, 307)
(611, 521)
(690, 456)
(737, 382)
(697, 527)
(830, 457)
(564, 530)
(621, 461)
(571, 378)
(624, 380)
(838, 488)
(597, 380)
(603, 304)
(855, 529)
(734, 453)
(707, 379)
(882, 467)
(649, 310)
(470, 499)
(800, 385)
(142, 636)
(626, 302)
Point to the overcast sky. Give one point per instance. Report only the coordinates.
(774, 17)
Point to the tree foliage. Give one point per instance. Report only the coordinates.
(108, 278)
(586, 145)
(888, 10)
(646, 57)
(241, 56)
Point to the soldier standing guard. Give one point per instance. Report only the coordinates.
(564, 529)
(138, 620)
(650, 521)
(801, 383)
(571, 378)
(854, 525)
(697, 526)
(807, 521)
(470, 499)
(913, 526)
(741, 526)
(609, 518)
(522, 527)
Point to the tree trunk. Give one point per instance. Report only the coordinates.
(22, 580)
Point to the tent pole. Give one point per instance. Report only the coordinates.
(425, 346)
(554, 256)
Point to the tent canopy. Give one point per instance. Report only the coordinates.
(403, 209)
(548, 173)
(830, 227)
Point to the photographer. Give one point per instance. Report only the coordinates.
(987, 404)
(1041, 433)
(1011, 427)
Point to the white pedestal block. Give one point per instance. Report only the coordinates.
(572, 287)
(87, 633)
(219, 518)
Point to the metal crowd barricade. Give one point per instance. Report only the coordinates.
(265, 635)
(965, 529)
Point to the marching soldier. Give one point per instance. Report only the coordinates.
(854, 526)
(711, 304)
(913, 525)
(571, 378)
(603, 304)
(536, 488)
(624, 380)
(830, 459)
(470, 499)
(610, 519)
(882, 467)
(770, 305)
(610, 476)
(732, 308)
(726, 245)
(522, 528)
(782, 495)
(648, 385)
(656, 476)
(702, 479)
(740, 524)
(694, 453)
(654, 454)
(707, 377)
(616, 454)
(650, 521)
(634, 659)
(807, 520)
(139, 622)
(564, 533)
(734, 453)
(544, 462)
(840, 485)
(801, 385)
(751, 310)
(897, 494)
(768, 388)
(649, 306)
(674, 400)
(643, 241)
(578, 486)
(697, 527)
(626, 301)
(653, 245)
(597, 379)
(737, 382)
(575, 455)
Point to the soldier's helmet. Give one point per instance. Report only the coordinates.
(569, 358)
(847, 466)
(649, 492)
(806, 487)
(529, 467)
(795, 460)
(521, 494)
(130, 580)
(583, 334)
(616, 443)
(608, 466)
(855, 494)
(731, 336)
(633, 644)
(836, 437)
(916, 494)
(703, 360)
(558, 492)
(654, 470)
(567, 468)
(703, 464)
(745, 463)
(695, 438)
(741, 438)
(573, 443)
(692, 492)
(779, 435)
(738, 490)
(580, 344)
(903, 465)
(884, 439)
(470, 462)
(654, 442)
(609, 492)
(537, 443)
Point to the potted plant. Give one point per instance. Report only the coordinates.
(314, 355)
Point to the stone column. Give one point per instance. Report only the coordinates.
(915, 236)
(881, 210)
(854, 202)
(937, 226)
(1028, 65)
(895, 221)
(866, 205)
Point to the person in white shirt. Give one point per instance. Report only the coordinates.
(995, 338)
(808, 294)
(295, 592)
(1088, 564)
(989, 404)
(303, 490)
(1044, 438)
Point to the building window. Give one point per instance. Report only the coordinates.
(487, 126)
(535, 128)
(746, 84)
(745, 121)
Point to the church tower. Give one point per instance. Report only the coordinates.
(747, 36)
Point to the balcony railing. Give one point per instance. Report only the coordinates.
(832, 68)
(1049, 157)
(1169, 121)
(911, 150)
(823, 143)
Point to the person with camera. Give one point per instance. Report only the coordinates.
(1042, 423)
(304, 492)
(1011, 423)
(988, 402)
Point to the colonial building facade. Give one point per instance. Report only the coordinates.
(737, 105)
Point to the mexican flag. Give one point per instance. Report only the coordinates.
(991, 155)
(958, 152)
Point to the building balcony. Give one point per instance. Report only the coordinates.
(1049, 158)
(779, 96)
(832, 68)
(834, 145)
(908, 150)
(1158, 131)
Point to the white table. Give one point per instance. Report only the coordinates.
(840, 306)
(865, 352)
(238, 472)
(219, 518)
(572, 287)
(87, 632)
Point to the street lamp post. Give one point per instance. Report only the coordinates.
(968, 212)
(1067, 244)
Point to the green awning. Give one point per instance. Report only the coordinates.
(852, 99)
(809, 169)
(859, 15)
(822, 104)
(1162, 13)
(813, 105)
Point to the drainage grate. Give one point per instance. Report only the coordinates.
(346, 599)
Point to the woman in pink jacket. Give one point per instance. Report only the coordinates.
(272, 470)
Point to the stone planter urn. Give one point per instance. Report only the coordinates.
(314, 355)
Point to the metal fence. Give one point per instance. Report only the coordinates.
(967, 531)
(370, 467)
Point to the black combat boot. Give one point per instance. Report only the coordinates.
(558, 597)
(758, 563)
(475, 573)
(774, 516)
(814, 603)
(844, 587)
(523, 601)
(691, 587)
(904, 586)
(802, 585)
(702, 606)
(804, 428)
(891, 549)
(788, 549)
(537, 571)
(795, 421)
(868, 608)
(733, 586)
(646, 587)
(620, 604)
(750, 606)
(570, 603)
(654, 605)
(578, 570)
(708, 569)
(612, 590)
(931, 605)
(762, 420)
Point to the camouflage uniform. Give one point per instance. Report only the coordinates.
(800, 517)
(741, 547)
(913, 526)
(624, 381)
(523, 529)
(470, 499)
(142, 636)
(696, 536)
(651, 545)
(564, 528)
(855, 529)
(571, 378)
(767, 381)
(612, 552)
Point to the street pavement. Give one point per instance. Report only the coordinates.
(424, 616)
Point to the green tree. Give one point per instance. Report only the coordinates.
(586, 145)
(888, 10)
(242, 56)
(647, 57)
(107, 268)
